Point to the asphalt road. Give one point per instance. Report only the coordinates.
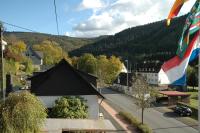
(159, 122)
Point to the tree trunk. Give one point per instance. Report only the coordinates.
(142, 114)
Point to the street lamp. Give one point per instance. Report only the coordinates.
(127, 74)
(2, 47)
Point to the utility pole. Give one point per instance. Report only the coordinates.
(127, 74)
(1, 63)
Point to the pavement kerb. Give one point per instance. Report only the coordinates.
(114, 114)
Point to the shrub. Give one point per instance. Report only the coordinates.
(129, 118)
(21, 112)
(70, 107)
(143, 128)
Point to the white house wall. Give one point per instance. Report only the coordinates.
(152, 78)
(92, 103)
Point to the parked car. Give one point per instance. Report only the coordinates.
(183, 111)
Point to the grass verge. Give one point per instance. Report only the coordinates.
(143, 128)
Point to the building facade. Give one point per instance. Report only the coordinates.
(64, 80)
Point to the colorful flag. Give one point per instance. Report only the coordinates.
(173, 71)
(175, 10)
(191, 26)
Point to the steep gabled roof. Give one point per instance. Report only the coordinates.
(61, 80)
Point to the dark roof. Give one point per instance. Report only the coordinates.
(37, 54)
(61, 80)
(122, 79)
(89, 77)
(86, 74)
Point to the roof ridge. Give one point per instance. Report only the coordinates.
(64, 62)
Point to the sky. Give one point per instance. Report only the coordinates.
(84, 18)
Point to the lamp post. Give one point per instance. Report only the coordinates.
(127, 74)
(2, 47)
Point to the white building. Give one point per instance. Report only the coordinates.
(4, 43)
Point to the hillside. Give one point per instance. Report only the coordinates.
(67, 43)
(151, 43)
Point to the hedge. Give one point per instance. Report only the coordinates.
(143, 128)
(194, 110)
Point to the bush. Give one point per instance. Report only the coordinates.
(21, 112)
(70, 107)
(143, 128)
(129, 118)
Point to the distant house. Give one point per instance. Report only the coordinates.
(151, 75)
(35, 56)
(124, 69)
(64, 80)
(120, 83)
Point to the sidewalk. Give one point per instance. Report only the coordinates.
(126, 126)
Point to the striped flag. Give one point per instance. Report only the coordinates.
(191, 26)
(173, 71)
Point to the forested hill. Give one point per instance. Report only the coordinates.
(153, 43)
(67, 43)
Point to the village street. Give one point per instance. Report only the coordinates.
(159, 122)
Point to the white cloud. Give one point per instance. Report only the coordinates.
(121, 14)
(90, 4)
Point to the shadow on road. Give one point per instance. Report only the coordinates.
(170, 114)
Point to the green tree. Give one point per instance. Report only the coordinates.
(142, 91)
(21, 112)
(192, 76)
(87, 63)
(70, 107)
(28, 66)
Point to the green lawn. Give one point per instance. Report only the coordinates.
(193, 99)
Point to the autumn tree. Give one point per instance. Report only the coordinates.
(21, 112)
(142, 91)
(102, 65)
(20, 46)
(53, 53)
(28, 66)
(106, 69)
(113, 69)
(87, 63)
(12, 67)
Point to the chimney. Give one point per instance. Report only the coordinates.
(9, 87)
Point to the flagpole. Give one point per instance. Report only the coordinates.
(199, 87)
